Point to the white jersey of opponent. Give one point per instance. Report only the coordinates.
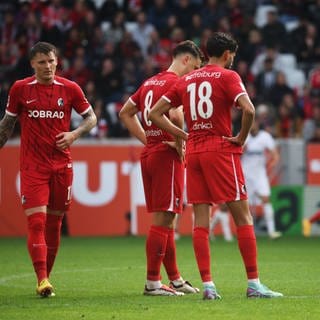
(254, 165)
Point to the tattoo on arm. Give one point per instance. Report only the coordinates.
(88, 122)
(6, 128)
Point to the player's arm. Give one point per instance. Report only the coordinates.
(248, 113)
(6, 128)
(65, 139)
(176, 117)
(158, 117)
(128, 116)
(273, 157)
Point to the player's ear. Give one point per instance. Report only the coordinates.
(186, 59)
(32, 63)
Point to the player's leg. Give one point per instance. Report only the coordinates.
(269, 218)
(248, 249)
(263, 191)
(53, 234)
(229, 174)
(157, 195)
(199, 195)
(59, 203)
(35, 194)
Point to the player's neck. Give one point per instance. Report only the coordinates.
(46, 82)
(216, 62)
(174, 68)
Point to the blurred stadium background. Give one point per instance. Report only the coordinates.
(110, 46)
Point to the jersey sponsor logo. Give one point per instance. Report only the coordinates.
(203, 74)
(30, 101)
(154, 82)
(46, 114)
(153, 133)
(202, 126)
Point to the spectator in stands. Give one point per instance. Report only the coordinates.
(274, 32)
(279, 89)
(259, 62)
(253, 46)
(142, 31)
(115, 31)
(308, 49)
(109, 84)
(265, 79)
(311, 125)
(288, 123)
(183, 10)
(159, 13)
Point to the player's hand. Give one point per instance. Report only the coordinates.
(179, 146)
(235, 140)
(64, 140)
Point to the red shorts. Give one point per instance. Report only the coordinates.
(163, 181)
(215, 177)
(44, 186)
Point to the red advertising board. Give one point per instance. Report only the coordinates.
(108, 197)
(107, 192)
(313, 164)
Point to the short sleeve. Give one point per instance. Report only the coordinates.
(12, 107)
(79, 101)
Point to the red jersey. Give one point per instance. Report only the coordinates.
(207, 96)
(144, 98)
(44, 111)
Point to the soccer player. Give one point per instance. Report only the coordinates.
(43, 104)
(162, 166)
(214, 173)
(260, 145)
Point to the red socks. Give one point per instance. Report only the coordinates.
(201, 248)
(248, 249)
(155, 249)
(170, 258)
(53, 227)
(37, 244)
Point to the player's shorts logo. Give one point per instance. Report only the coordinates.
(243, 189)
(23, 199)
(60, 102)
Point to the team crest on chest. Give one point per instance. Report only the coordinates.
(60, 102)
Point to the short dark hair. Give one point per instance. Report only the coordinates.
(187, 46)
(219, 42)
(42, 47)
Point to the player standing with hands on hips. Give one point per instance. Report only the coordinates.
(162, 169)
(214, 173)
(43, 105)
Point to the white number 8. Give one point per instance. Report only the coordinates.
(147, 107)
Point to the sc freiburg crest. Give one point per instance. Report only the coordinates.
(60, 102)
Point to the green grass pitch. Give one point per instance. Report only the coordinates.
(103, 278)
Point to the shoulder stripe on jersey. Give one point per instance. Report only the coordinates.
(85, 111)
(166, 98)
(54, 81)
(33, 82)
(58, 83)
(11, 114)
(132, 101)
(239, 95)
